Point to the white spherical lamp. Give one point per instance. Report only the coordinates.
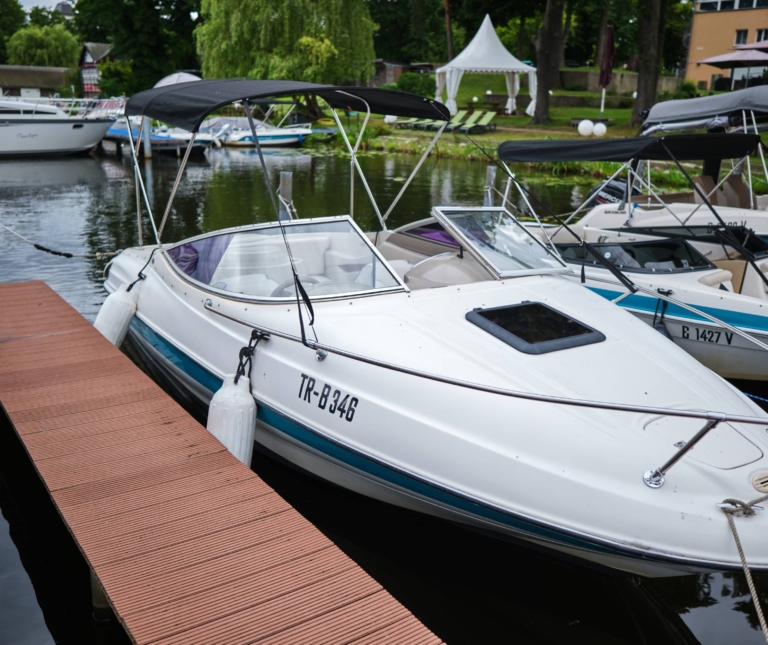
(488, 92)
(586, 127)
(599, 130)
(474, 99)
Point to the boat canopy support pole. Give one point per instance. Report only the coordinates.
(655, 478)
(176, 183)
(736, 168)
(355, 162)
(415, 170)
(605, 183)
(749, 164)
(528, 204)
(651, 192)
(759, 148)
(140, 180)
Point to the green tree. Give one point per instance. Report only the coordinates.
(155, 37)
(117, 78)
(12, 18)
(43, 46)
(325, 41)
(44, 17)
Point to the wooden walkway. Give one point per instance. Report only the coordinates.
(190, 546)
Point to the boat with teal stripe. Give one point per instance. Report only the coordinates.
(451, 366)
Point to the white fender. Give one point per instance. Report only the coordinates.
(116, 313)
(232, 417)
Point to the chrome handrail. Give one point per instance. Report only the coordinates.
(491, 389)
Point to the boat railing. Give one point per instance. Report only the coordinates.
(654, 477)
(110, 108)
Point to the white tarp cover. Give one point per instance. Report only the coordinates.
(485, 55)
(177, 77)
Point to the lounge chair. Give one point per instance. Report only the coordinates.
(485, 124)
(419, 122)
(406, 123)
(454, 122)
(469, 123)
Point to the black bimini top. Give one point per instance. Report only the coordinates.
(185, 105)
(684, 147)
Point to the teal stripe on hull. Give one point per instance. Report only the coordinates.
(364, 464)
(647, 304)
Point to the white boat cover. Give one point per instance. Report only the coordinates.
(486, 55)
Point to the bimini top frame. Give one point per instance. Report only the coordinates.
(186, 105)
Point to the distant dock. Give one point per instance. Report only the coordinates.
(189, 545)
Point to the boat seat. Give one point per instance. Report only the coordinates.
(255, 284)
(716, 278)
(736, 192)
(706, 184)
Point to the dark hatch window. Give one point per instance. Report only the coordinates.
(654, 255)
(534, 328)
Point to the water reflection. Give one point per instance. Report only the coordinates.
(467, 588)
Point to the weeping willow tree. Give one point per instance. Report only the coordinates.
(321, 41)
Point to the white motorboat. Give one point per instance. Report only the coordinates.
(235, 131)
(50, 126)
(731, 192)
(718, 270)
(478, 384)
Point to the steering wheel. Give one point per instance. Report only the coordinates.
(283, 286)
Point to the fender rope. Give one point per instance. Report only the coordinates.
(745, 509)
(63, 254)
(246, 355)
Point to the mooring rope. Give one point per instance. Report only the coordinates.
(745, 509)
(63, 254)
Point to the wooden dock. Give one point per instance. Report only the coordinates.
(190, 546)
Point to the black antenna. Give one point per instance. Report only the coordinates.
(300, 291)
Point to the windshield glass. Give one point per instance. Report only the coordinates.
(501, 240)
(331, 258)
(654, 255)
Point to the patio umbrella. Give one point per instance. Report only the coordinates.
(738, 58)
(606, 64)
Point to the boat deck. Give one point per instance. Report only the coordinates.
(190, 545)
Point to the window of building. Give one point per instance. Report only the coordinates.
(725, 5)
(746, 4)
(741, 37)
(708, 6)
(761, 3)
(762, 34)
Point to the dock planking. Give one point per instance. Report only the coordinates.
(190, 545)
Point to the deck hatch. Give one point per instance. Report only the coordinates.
(534, 328)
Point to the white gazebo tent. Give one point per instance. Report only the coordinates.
(486, 55)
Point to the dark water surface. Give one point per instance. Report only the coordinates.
(467, 588)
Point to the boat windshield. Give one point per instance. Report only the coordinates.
(655, 256)
(332, 258)
(496, 239)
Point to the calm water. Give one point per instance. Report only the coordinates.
(467, 588)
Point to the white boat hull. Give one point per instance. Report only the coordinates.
(278, 433)
(51, 137)
(463, 455)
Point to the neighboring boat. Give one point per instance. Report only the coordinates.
(478, 383)
(654, 207)
(50, 126)
(235, 131)
(742, 111)
(162, 139)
